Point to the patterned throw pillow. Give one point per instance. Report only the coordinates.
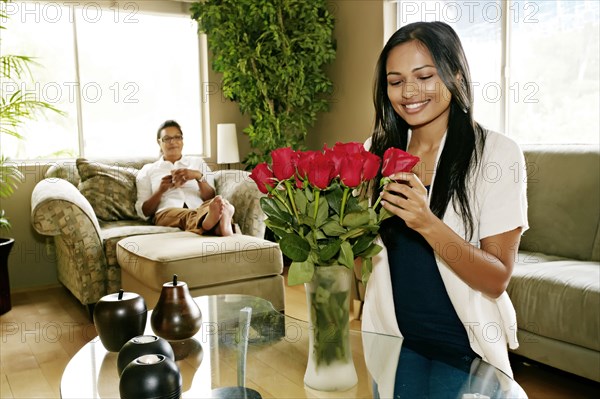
(110, 189)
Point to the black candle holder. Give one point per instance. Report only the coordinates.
(140, 346)
(151, 377)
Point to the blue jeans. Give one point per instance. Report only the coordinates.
(418, 376)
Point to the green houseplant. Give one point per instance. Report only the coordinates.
(15, 108)
(272, 54)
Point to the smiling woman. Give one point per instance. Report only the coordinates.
(110, 79)
(449, 246)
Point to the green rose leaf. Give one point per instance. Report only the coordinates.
(319, 235)
(367, 268)
(294, 247)
(346, 256)
(364, 204)
(355, 219)
(384, 214)
(307, 220)
(333, 229)
(352, 205)
(359, 231)
(300, 272)
(309, 194)
(373, 250)
(278, 230)
(322, 295)
(334, 198)
(301, 201)
(362, 243)
(330, 250)
(322, 211)
(272, 210)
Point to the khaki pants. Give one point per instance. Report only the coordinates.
(183, 218)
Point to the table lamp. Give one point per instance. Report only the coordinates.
(227, 145)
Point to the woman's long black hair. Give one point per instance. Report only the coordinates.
(465, 138)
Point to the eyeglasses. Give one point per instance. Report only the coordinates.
(168, 139)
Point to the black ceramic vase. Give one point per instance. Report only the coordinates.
(176, 316)
(5, 246)
(140, 346)
(118, 318)
(151, 377)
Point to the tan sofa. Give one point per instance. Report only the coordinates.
(556, 282)
(66, 205)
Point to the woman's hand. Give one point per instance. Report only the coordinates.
(181, 176)
(406, 197)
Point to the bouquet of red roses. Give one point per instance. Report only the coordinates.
(317, 205)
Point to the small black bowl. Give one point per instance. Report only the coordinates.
(151, 377)
(140, 346)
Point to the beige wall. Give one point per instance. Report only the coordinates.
(359, 34)
(29, 263)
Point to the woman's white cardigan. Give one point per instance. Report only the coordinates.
(498, 204)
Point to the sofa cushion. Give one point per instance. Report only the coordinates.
(558, 299)
(113, 232)
(200, 261)
(111, 190)
(563, 192)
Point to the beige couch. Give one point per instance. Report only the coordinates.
(88, 207)
(556, 282)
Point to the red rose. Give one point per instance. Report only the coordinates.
(321, 171)
(396, 160)
(349, 148)
(263, 177)
(284, 162)
(304, 163)
(351, 170)
(371, 164)
(339, 152)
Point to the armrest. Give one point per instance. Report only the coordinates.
(237, 187)
(58, 209)
(50, 200)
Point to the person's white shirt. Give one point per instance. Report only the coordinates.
(149, 177)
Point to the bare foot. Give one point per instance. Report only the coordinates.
(215, 212)
(225, 227)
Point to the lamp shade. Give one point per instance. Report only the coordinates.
(227, 145)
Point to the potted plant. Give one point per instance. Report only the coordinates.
(15, 108)
(272, 54)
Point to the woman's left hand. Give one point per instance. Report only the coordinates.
(406, 197)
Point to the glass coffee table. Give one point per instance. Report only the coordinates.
(276, 360)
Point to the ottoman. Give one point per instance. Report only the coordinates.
(237, 264)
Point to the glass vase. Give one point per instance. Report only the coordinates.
(330, 366)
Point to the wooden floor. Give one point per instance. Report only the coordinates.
(46, 327)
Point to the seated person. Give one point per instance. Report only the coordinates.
(178, 190)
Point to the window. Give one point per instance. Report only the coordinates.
(534, 64)
(116, 72)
